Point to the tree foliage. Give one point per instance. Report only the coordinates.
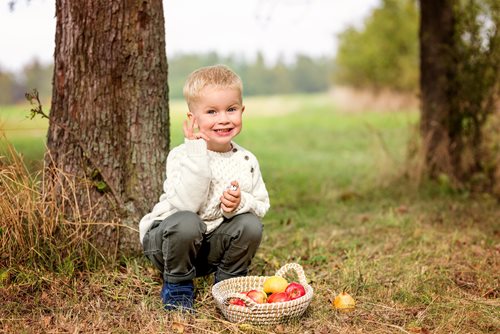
(476, 87)
(460, 68)
(383, 52)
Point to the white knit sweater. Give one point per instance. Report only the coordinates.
(196, 179)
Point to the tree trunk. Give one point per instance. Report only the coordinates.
(108, 133)
(437, 72)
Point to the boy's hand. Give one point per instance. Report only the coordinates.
(190, 132)
(230, 199)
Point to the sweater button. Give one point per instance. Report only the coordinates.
(246, 157)
(235, 149)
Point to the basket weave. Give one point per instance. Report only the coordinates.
(260, 314)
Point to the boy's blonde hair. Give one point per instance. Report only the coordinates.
(217, 76)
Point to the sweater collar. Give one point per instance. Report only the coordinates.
(234, 149)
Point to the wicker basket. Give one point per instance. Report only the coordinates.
(260, 314)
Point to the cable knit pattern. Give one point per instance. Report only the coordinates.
(196, 179)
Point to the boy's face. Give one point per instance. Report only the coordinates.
(218, 115)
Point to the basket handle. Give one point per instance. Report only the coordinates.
(297, 268)
(249, 302)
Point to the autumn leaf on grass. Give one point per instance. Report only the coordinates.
(419, 330)
(178, 327)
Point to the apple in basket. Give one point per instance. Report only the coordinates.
(258, 296)
(278, 297)
(274, 284)
(295, 290)
(237, 301)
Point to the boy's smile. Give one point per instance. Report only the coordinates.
(218, 115)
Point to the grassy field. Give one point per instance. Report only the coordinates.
(26, 134)
(417, 259)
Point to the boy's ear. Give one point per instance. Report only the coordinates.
(191, 117)
(242, 108)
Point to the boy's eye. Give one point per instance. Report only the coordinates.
(211, 112)
(232, 109)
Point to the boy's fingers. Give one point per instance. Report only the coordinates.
(188, 127)
(231, 195)
(225, 201)
(233, 189)
(226, 208)
(228, 202)
(203, 136)
(188, 133)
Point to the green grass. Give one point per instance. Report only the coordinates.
(416, 259)
(26, 135)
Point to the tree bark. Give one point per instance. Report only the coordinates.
(437, 73)
(108, 131)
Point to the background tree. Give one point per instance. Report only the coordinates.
(437, 66)
(383, 52)
(108, 128)
(459, 65)
(310, 75)
(35, 75)
(258, 78)
(282, 82)
(7, 83)
(14, 85)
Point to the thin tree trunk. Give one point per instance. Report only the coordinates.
(436, 84)
(109, 114)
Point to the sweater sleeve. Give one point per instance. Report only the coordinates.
(256, 200)
(188, 176)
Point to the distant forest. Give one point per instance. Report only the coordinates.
(382, 53)
(303, 75)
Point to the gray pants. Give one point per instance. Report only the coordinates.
(180, 249)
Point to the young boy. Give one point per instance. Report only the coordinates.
(209, 217)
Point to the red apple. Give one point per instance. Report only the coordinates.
(295, 290)
(257, 296)
(278, 297)
(236, 301)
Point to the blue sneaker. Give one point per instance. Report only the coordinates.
(178, 296)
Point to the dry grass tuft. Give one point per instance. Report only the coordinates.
(34, 233)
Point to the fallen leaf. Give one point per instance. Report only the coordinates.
(279, 328)
(177, 327)
(349, 195)
(46, 320)
(419, 330)
(402, 209)
(364, 218)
